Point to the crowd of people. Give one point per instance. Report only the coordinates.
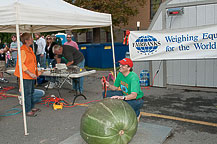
(48, 50)
(45, 51)
(42, 49)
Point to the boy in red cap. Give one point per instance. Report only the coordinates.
(128, 81)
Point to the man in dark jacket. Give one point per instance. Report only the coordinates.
(71, 56)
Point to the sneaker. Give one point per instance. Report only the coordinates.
(20, 99)
(50, 85)
(4, 80)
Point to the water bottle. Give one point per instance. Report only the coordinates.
(38, 65)
(141, 74)
(142, 82)
(50, 66)
(144, 78)
(146, 82)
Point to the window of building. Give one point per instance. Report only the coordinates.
(108, 37)
(154, 5)
(89, 37)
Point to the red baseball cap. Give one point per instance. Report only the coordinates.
(126, 61)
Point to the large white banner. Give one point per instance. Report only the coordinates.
(198, 43)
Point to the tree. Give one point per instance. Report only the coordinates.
(5, 38)
(121, 10)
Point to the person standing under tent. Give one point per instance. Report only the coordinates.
(3, 50)
(128, 81)
(40, 53)
(13, 48)
(49, 49)
(30, 73)
(71, 42)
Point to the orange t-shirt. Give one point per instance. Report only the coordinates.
(28, 61)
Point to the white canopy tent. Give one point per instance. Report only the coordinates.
(45, 16)
(48, 15)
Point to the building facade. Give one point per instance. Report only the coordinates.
(196, 72)
(144, 16)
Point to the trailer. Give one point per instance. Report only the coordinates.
(175, 15)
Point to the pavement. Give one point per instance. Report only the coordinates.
(191, 113)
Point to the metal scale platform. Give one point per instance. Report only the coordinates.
(147, 133)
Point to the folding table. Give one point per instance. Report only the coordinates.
(68, 77)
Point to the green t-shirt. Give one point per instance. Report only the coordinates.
(129, 84)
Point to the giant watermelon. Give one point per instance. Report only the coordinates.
(110, 121)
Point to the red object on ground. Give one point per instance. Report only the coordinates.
(104, 86)
(3, 94)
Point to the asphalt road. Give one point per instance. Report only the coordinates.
(52, 127)
(190, 105)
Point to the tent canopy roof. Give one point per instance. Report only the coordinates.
(48, 15)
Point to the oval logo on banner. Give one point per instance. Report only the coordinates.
(146, 44)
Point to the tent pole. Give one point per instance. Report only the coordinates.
(113, 51)
(33, 46)
(21, 79)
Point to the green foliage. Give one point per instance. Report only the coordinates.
(155, 4)
(121, 10)
(5, 38)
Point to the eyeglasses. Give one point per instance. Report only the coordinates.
(68, 37)
(49, 38)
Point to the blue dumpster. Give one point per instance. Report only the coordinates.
(95, 56)
(83, 48)
(100, 55)
(120, 51)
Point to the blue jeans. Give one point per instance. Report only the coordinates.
(37, 95)
(81, 79)
(28, 93)
(15, 61)
(41, 60)
(135, 104)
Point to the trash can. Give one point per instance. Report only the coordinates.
(96, 55)
(83, 48)
(101, 56)
(120, 51)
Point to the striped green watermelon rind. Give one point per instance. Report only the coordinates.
(110, 121)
